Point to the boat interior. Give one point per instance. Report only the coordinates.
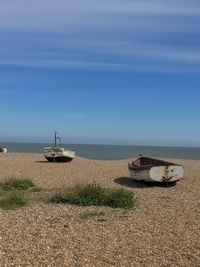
(147, 163)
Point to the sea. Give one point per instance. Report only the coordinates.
(110, 152)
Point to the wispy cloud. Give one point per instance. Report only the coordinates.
(76, 16)
(124, 57)
(107, 34)
(93, 66)
(64, 64)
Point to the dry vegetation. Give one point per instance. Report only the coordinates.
(163, 229)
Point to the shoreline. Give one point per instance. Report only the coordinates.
(112, 152)
(93, 159)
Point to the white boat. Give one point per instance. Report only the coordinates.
(155, 170)
(58, 154)
(3, 150)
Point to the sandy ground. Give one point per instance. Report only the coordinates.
(163, 229)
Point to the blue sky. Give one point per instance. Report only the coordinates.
(106, 72)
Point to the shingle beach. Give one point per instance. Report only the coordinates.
(162, 230)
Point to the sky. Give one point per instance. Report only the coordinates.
(100, 72)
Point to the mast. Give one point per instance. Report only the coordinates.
(56, 139)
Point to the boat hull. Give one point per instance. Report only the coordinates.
(3, 150)
(171, 173)
(140, 175)
(155, 170)
(58, 155)
(59, 159)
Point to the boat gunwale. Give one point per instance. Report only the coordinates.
(133, 167)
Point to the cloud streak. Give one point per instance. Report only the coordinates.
(77, 15)
(101, 35)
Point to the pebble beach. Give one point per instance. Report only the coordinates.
(162, 230)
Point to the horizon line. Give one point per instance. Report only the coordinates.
(104, 144)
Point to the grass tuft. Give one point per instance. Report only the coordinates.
(17, 184)
(120, 198)
(91, 195)
(95, 195)
(36, 189)
(68, 197)
(13, 202)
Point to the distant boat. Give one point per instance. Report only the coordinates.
(3, 150)
(155, 170)
(58, 153)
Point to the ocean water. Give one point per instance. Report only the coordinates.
(111, 152)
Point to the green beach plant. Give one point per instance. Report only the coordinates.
(120, 198)
(91, 195)
(95, 195)
(13, 202)
(65, 197)
(36, 189)
(17, 184)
